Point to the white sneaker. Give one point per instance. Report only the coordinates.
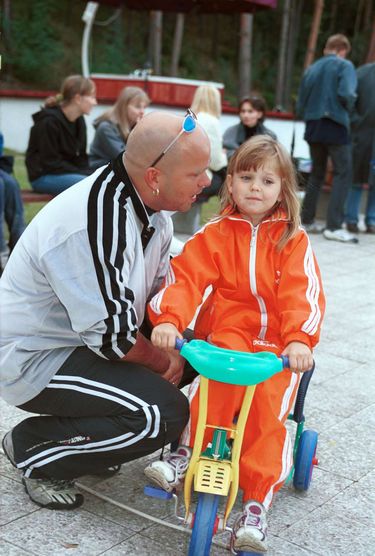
(313, 228)
(250, 529)
(170, 472)
(340, 235)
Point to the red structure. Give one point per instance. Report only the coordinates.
(167, 91)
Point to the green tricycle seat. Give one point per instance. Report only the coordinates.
(232, 367)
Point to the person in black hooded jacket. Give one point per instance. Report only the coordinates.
(56, 155)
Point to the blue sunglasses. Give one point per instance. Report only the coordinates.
(188, 125)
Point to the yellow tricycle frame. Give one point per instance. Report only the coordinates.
(216, 476)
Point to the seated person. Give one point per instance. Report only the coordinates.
(252, 109)
(11, 207)
(207, 107)
(113, 127)
(56, 154)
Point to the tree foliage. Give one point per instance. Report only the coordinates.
(44, 42)
(36, 46)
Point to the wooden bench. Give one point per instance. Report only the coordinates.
(30, 196)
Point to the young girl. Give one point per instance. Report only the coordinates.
(266, 296)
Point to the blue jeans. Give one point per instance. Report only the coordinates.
(353, 203)
(342, 170)
(55, 183)
(11, 210)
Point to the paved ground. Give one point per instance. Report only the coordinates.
(336, 517)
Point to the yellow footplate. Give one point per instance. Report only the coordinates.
(213, 477)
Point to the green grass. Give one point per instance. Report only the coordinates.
(31, 209)
(209, 209)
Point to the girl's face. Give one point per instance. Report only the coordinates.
(255, 192)
(87, 102)
(249, 116)
(136, 111)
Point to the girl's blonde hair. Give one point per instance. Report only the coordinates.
(253, 154)
(207, 99)
(118, 114)
(71, 86)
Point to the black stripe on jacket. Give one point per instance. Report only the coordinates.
(107, 214)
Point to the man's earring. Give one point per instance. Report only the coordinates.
(156, 192)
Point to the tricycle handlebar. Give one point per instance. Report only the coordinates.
(180, 343)
(230, 366)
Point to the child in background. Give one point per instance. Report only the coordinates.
(266, 296)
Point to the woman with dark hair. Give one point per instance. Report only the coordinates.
(252, 109)
(56, 156)
(113, 127)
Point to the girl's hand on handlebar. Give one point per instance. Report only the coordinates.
(164, 335)
(300, 357)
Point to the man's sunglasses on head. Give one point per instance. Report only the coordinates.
(188, 125)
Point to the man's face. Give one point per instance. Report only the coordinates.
(182, 182)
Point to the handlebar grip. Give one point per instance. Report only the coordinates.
(285, 360)
(179, 343)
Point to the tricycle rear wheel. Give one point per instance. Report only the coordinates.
(304, 463)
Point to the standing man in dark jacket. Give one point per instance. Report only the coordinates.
(326, 98)
(363, 139)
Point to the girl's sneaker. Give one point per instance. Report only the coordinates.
(250, 529)
(170, 472)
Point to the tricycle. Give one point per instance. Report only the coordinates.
(213, 470)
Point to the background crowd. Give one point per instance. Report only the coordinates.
(94, 283)
(334, 100)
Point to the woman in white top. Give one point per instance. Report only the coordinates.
(207, 107)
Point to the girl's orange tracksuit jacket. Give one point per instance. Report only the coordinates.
(261, 300)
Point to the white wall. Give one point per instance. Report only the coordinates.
(16, 120)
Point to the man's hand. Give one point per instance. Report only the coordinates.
(164, 336)
(176, 368)
(300, 357)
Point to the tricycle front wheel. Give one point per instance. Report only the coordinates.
(204, 524)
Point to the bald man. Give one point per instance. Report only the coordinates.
(73, 299)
